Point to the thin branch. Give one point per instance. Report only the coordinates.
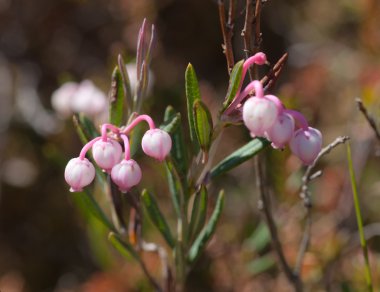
(227, 31)
(246, 33)
(369, 119)
(305, 196)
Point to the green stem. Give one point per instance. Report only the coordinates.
(359, 219)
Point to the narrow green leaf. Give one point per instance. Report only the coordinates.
(199, 211)
(178, 151)
(126, 83)
(85, 128)
(208, 231)
(116, 101)
(259, 239)
(261, 264)
(87, 202)
(175, 186)
(203, 125)
(124, 248)
(170, 126)
(192, 94)
(156, 217)
(234, 84)
(359, 219)
(239, 156)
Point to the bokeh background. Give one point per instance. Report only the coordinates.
(334, 56)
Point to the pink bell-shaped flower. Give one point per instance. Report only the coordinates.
(156, 143)
(126, 174)
(306, 144)
(281, 131)
(106, 153)
(259, 114)
(79, 173)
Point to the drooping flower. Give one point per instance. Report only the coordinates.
(281, 131)
(306, 144)
(106, 153)
(156, 143)
(79, 173)
(126, 174)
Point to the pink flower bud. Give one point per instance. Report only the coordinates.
(106, 153)
(259, 114)
(126, 174)
(156, 143)
(79, 173)
(306, 144)
(281, 131)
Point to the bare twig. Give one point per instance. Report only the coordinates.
(305, 196)
(369, 119)
(271, 77)
(227, 31)
(247, 33)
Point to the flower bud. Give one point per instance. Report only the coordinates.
(79, 173)
(306, 144)
(106, 153)
(156, 143)
(126, 174)
(281, 131)
(259, 114)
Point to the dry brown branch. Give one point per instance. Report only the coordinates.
(227, 31)
(369, 119)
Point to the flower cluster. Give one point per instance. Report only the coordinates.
(266, 116)
(107, 153)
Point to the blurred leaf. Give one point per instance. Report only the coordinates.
(172, 124)
(156, 217)
(85, 128)
(203, 125)
(234, 84)
(88, 203)
(116, 102)
(178, 151)
(126, 83)
(175, 186)
(239, 156)
(259, 239)
(207, 232)
(124, 248)
(192, 94)
(117, 204)
(142, 86)
(199, 211)
(261, 264)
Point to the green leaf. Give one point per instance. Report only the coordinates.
(199, 211)
(261, 264)
(259, 239)
(124, 248)
(170, 126)
(85, 128)
(203, 125)
(239, 156)
(234, 84)
(192, 94)
(207, 232)
(88, 204)
(116, 102)
(156, 217)
(126, 83)
(175, 187)
(178, 151)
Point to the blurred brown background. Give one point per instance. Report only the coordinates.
(334, 49)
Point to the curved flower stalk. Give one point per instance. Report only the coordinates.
(106, 151)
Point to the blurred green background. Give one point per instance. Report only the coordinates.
(334, 56)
